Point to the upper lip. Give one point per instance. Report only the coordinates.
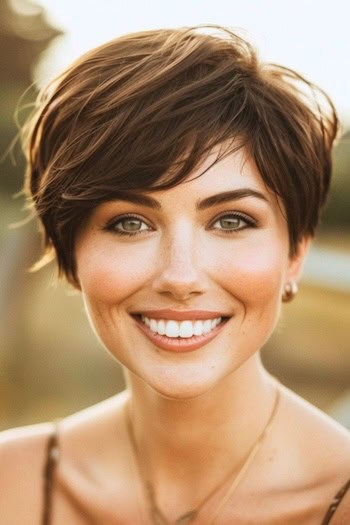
(181, 315)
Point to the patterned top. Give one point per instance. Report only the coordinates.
(52, 458)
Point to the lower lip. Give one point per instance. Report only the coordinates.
(179, 344)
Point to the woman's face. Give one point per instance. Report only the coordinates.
(213, 248)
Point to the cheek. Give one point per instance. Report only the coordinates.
(253, 278)
(253, 275)
(108, 275)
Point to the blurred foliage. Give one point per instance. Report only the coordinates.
(24, 35)
(337, 213)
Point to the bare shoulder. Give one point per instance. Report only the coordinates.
(313, 425)
(91, 432)
(321, 445)
(22, 460)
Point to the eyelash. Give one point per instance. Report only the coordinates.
(250, 223)
(111, 225)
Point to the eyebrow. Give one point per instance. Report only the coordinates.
(213, 200)
(226, 196)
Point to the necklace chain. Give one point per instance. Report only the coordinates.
(156, 514)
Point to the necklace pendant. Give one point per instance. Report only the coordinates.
(186, 518)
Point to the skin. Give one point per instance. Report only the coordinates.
(197, 414)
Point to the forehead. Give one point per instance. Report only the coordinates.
(235, 171)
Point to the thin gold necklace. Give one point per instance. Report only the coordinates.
(156, 514)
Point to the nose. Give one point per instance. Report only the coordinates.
(179, 274)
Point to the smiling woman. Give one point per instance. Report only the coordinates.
(200, 272)
(179, 182)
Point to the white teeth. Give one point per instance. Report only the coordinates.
(207, 326)
(184, 329)
(198, 328)
(153, 325)
(161, 327)
(146, 320)
(172, 329)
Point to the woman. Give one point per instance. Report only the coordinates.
(179, 182)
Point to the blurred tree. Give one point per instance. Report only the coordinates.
(337, 213)
(24, 34)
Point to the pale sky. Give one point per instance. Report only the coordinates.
(311, 36)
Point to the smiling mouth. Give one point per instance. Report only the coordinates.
(180, 336)
(184, 329)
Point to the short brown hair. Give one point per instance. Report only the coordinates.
(140, 112)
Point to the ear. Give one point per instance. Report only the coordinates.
(296, 262)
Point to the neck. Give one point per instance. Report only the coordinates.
(201, 438)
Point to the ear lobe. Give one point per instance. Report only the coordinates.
(296, 262)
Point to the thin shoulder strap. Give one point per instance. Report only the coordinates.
(335, 503)
(52, 456)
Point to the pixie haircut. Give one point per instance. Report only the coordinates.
(140, 112)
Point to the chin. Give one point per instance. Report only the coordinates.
(180, 392)
(183, 382)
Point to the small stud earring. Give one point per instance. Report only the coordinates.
(289, 292)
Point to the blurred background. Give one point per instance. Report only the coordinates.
(50, 363)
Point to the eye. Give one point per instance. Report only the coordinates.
(127, 225)
(233, 222)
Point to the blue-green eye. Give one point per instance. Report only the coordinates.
(131, 225)
(127, 225)
(233, 222)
